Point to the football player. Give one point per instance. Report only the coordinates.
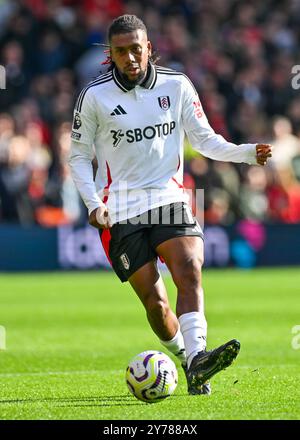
(134, 119)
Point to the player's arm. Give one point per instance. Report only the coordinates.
(212, 145)
(80, 161)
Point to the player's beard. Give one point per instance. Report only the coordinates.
(138, 80)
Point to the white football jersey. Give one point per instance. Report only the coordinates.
(137, 136)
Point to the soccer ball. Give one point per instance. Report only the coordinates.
(151, 376)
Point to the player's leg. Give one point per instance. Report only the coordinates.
(184, 257)
(150, 288)
(134, 260)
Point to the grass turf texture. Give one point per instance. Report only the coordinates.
(71, 335)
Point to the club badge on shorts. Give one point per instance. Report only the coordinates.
(164, 102)
(125, 261)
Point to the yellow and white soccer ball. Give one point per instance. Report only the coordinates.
(151, 376)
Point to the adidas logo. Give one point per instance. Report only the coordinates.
(118, 111)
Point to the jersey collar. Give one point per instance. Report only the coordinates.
(148, 83)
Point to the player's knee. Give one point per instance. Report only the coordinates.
(188, 274)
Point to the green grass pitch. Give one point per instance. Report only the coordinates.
(69, 337)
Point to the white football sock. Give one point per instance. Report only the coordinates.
(193, 327)
(176, 346)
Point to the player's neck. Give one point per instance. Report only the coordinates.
(131, 84)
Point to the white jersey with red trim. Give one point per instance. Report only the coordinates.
(137, 134)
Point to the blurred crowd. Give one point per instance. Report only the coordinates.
(239, 55)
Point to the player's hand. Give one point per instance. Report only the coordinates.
(99, 218)
(263, 152)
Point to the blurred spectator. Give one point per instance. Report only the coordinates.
(15, 177)
(290, 213)
(39, 161)
(51, 53)
(63, 204)
(7, 130)
(286, 145)
(218, 211)
(254, 202)
(205, 177)
(277, 197)
(12, 57)
(293, 112)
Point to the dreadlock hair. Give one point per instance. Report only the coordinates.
(123, 25)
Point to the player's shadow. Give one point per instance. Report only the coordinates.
(95, 401)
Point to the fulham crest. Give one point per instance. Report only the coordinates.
(164, 102)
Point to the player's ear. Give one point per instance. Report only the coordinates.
(149, 47)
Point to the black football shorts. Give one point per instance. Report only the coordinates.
(131, 244)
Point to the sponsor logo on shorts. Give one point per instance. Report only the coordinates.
(125, 261)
